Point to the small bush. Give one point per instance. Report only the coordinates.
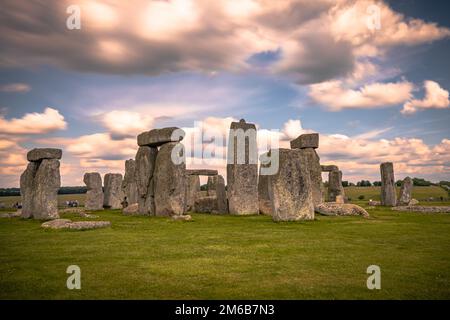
(361, 197)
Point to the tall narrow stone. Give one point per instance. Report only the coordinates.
(145, 167)
(94, 195)
(170, 180)
(216, 186)
(129, 184)
(388, 194)
(265, 206)
(242, 169)
(405, 192)
(290, 188)
(315, 172)
(27, 189)
(113, 195)
(192, 189)
(335, 188)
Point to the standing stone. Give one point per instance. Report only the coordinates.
(129, 184)
(192, 188)
(94, 195)
(290, 188)
(113, 196)
(405, 192)
(335, 187)
(242, 169)
(145, 167)
(315, 172)
(40, 183)
(388, 194)
(265, 205)
(170, 180)
(216, 186)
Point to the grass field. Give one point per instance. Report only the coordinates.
(419, 193)
(227, 257)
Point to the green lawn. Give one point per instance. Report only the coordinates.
(419, 193)
(226, 257)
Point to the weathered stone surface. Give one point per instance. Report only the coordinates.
(39, 154)
(47, 182)
(131, 210)
(315, 172)
(413, 202)
(335, 187)
(16, 214)
(310, 140)
(145, 167)
(94, 195)
(374, 203)
(329, 168)
(192, 188)
(77, 225)
(290, 188)
(27, 189)
(205, 204)
(339, 199)
(113, 196)
(129, 183)
(56, 224)
(388, 193)
(170, 181)
(423, 209)
(265, 205)
(184, 217)
(216, 186)
(158, 137)
(202, 172)
(405, 192)
(242, 169)
(340, 209)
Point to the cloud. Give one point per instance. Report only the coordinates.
(435, 98)
(15, 87)
(125, 124)
(334, 96)
(34, 123)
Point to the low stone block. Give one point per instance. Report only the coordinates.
(310, 140)
(158, 137)
(39, 154)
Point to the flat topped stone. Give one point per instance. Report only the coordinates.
(329, 168)
(310, 140)
(39, 154)
(158, 137)
(201, 172)
(242, 125)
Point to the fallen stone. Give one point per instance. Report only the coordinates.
(405, 192)
(374, 203)
(170, 181)
(39, 154)
(423, 209)
(184, 217)
(145, 167)
(11, 214)
(388, 193)
(113, 195)
(310, 140)
(77, 225)
(340, 209)
(94, 195)
(158, 137)
(202, 172)
(413, 202)
(132, 209)
(339, 199)
(56, 224)
(290, 189)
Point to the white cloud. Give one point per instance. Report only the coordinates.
(15, 87)
(121, 123)
(435, 98)
(34, 123)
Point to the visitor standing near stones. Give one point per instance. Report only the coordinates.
(94, 195)
(290, 189)
(307, 144)
(39, 184)
(113, 195)
(129, 185)
(388, 193)
(242, 169)
(405, 192)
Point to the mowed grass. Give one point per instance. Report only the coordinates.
(229, 257)
(419, 193)
(62, 198)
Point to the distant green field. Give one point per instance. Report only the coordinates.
(419, 193)
(62, 198)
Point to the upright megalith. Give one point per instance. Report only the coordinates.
(265, 206)
(94, 195)
(405, 192)
(290, 188)
(145, 167)
(307, 143)
(335, 188)
(388, 194)
(242, 169)
(192, 189)
(129, 184)
(113, 195)
(39, 184)
(170, 180)
(216, 187)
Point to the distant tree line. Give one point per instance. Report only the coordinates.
(419, 182)
(10, 192)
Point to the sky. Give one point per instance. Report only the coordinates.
(371, 77)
